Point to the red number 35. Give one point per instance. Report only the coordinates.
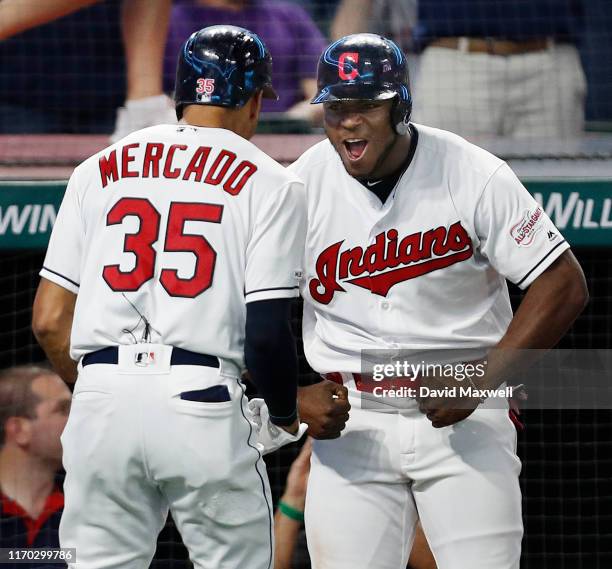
(205, 86)
(140, 244)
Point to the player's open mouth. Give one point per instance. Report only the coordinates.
(355, 147)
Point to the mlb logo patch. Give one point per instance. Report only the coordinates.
(144, 358)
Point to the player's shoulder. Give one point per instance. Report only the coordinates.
(455, 154)
(317, 156)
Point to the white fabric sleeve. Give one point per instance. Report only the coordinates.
(276, 246)
(62, 263)
(517, 237)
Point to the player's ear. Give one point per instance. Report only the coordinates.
(255, 104)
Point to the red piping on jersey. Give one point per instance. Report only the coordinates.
(54, 503)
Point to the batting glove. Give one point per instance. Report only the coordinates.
(269, 436)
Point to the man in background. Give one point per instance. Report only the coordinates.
(503, 68)
(34, 406)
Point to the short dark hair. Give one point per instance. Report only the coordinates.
(16, 396)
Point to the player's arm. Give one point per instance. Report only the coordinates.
(55, 300)
(523, 245)
(271, 358)
(552, 304)
(273, 260)
(51, 323)
(323, 405)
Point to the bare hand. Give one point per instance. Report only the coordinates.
(444, 410)
(325, 408)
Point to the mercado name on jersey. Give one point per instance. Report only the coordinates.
(389, 260)
(158, 161)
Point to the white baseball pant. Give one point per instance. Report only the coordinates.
(368, 488)
(134, 449)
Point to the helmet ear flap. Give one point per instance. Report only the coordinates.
(400, 115)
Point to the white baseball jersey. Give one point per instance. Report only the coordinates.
(183, 225)
(427, 269)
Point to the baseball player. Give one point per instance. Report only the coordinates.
(412, 233)
(174, 259)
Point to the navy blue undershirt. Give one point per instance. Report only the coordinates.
(271, 357)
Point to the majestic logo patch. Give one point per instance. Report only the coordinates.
(388, 261)
(525, 230)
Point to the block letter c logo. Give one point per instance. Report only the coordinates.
(352, 59)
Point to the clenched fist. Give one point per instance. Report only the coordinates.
(325, 408)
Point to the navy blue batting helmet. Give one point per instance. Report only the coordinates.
(366, 67)
(222, 66)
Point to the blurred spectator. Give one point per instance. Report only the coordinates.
(290, 512)
(595, 49)
(504, 68)
(292, 37)
(421, 556)
(144, 30)
(394, 19)
(34, 406)
(322, 12)
(59, 79)
(55, 79)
